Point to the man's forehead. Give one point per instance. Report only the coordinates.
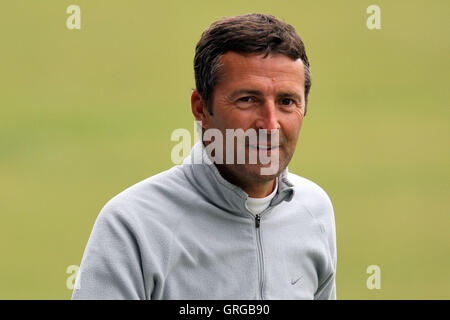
(237, 68)
(239, 63)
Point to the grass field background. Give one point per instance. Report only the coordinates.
(86, 113)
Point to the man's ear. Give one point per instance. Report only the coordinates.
(199, 111)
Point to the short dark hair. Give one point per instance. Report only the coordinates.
(253, 33)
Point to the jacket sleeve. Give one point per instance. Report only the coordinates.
(327, 289)
(111, 265)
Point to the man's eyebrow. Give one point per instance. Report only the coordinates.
(284, 94)
(239, 92)
(289, 94)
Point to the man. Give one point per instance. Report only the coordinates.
(211, 229)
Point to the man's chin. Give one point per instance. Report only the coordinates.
(259, 172)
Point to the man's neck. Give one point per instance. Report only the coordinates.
(260, 190)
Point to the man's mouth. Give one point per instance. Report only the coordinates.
(263, 147)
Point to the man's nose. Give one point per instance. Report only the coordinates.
(267, 117)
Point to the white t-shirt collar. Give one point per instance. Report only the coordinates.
(258, 205)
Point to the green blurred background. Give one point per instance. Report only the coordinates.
(86, 113)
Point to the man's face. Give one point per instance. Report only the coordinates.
(259, 93)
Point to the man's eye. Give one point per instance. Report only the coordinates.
(287, 102)
(246, 99)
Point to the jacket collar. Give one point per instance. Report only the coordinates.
(204, 175)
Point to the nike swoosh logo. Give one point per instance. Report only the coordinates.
(295, 281)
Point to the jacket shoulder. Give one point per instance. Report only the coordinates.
(309, 191)
(316, 201)
(311, 196)
(146, 197)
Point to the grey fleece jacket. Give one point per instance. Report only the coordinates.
(186, 234)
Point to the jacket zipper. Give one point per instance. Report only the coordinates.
(260, 254)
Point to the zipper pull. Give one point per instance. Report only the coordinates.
(257, 220)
